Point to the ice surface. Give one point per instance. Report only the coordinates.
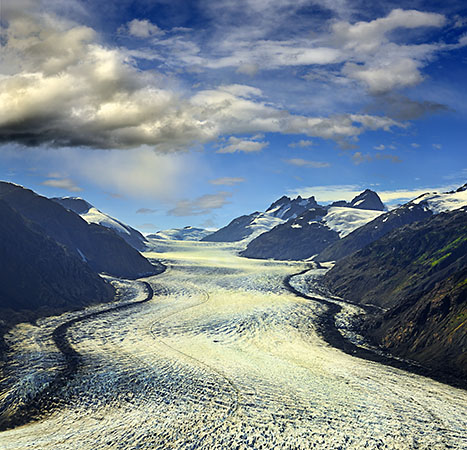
(344, 220)
(95, 216)
(225, 358)
(443, 202)
(262, 223)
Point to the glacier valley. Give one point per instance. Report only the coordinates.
(222, 357)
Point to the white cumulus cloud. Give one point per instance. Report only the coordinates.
(306, 163)
(201, 205)
(62, 183)
(143, 28)
(227, 181)
(61, 86)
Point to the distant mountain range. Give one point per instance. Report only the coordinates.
(297, 229)
(311, 227)
(247, 228)
(181, 234)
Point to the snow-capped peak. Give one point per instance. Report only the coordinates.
(447, 201)
(286, 208)
(369, 200)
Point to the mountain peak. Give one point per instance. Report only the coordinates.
(75, 204)
(91, 214)
(368, 199)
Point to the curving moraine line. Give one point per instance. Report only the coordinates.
(48, 399)
(327, 329)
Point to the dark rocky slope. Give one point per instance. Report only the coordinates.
(83, 208)
(36, 271)
(374, 230)
(418, 273)
(101, 248)
(38, 276)
(309, 233)
(296, 239)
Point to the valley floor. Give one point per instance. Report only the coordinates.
(224, 357)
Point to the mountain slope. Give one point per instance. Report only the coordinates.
(237, 230)
(37, 273)
(416, 210)
(298, 238)
(314, 230)
(373, 230)
(418, 273)
(345, 220)
(101, 248)
(92, 215)
(368, 199)
(250, 226)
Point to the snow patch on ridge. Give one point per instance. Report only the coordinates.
(95, 216)
(439, 203)
(344, 220)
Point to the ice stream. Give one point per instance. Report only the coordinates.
(225, 358)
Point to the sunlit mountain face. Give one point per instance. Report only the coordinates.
(233, 224)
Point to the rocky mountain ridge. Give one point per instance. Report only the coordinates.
(92, 215)
(99, 247)
(315, 229)
(284, 210)
(418, 274)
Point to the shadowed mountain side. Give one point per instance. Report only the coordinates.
(92, 215)
(301, 240)
(236, 230)
(419, 274)
(100, 247)
(254, 224)
(38, 273)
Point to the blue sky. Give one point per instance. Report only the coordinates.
(171, 113)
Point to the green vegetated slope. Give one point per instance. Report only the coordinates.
(418, 273)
